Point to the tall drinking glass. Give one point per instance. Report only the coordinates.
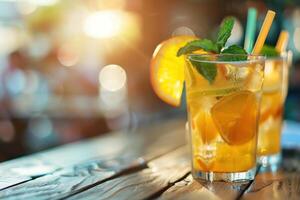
(223, 99)
(270, 123)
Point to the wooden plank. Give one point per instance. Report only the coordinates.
(7, 181)
(188, 189)
(23, 169)
(29, 167)
(132, 152)
(282, 184)
(60, 183)
(192, 189)
(104, 146)
(63, 156)
(161, 174)
(275, 186)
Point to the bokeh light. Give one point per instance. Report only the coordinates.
(26, 7)
(9, 39)
(297, 38)
(39, 46)
(113, 23)
(113, 91)
(40, 132)
(15, 82)
(31, 94)
(32, 82)
(183, 30)
(112, 77)
(68, 55)
(40, 127)
(103, 24)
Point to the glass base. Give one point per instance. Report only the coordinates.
(227, 177)
(270, 162)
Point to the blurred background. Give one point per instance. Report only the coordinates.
(73, 69)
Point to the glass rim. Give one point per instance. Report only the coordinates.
(253, 58)
(281, 56)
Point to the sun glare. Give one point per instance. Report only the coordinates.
(103, 24)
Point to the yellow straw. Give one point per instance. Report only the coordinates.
(263, 32)
(282, 41)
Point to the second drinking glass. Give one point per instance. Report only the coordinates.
(270, 123)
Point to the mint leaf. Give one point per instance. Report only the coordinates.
(269, 51)
(224, 32)
(206, 69)
(205, 44)
(234, 49)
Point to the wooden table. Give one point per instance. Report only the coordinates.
(149, 163)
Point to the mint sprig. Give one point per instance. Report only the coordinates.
(269, 51)
(209, 70)
(224, 32)
(205, 44)
(209, 45)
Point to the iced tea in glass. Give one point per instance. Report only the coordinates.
(223, 95)
(270, 123)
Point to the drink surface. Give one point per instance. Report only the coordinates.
(223, 117)
(270, 124)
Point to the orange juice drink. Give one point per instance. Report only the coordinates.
(270, 123)
(223, 115)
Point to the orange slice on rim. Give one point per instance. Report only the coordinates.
(167, 70)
